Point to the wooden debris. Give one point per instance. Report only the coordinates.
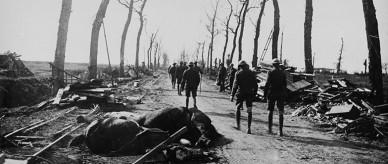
(58, 97)
(161, 145)
(21, 129)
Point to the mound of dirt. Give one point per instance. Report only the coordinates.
(18, 86)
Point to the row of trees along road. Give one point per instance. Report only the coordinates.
(371, 27)
(373, 40)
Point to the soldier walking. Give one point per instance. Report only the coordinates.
(179, 76)
(231, 74)
(244, 88)
(190, 83)
(275, 91)
(221, 77)
(171, 72)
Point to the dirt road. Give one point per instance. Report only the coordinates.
(302, 142)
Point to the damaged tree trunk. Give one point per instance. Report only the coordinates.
(340, 56)
(94, 39)
(60, 51)
(242, 30)
(307, 37)
(124, 35)
(372, 35)
(139, 33)
(213, 34)
(275, 34)
(257, 35)
(227, 31)
(235, 32)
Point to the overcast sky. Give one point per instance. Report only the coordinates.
(29, 27)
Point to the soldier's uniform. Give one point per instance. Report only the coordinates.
(172, 72)
(221, 77)
(190, 82)
(275, 91)
(244, 88)
(179, 76)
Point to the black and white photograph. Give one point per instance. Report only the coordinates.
(194, 81)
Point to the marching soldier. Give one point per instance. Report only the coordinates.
(275, 91)
(244, 88)
(190, 82)
(172, 71)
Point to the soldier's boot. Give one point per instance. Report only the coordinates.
(195, 102)
(281, 117)
(249, 110)
(238, 114)
(178, 90)
(270, 115)
(187, 102)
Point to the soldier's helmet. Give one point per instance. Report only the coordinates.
(181, 63)
(173, 63)
(242, 63)
(191, 64)
(275, 61)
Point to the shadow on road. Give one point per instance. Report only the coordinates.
(231, 115)
(332, 143)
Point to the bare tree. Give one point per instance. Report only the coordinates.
(235, 31)
(141, 16)
(155, 53)
(307, 37)
(242, 29)
(60, 51)
(257, 34)
(275, 34)
(149, 51)
(128, 5)
(373, 39)
(213, 32)
(94, 39)
(340, 56)
(203, 50)
(227, 30)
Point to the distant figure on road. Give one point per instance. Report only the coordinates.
(179, 76)
(190, 82)
(245, 88)
(221, 77)
(231, 74)
(275, 91)
(171, 72)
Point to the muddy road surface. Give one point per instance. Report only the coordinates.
(302, 143)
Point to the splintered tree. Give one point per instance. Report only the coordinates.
(155, 53)
(373, 40)
(275, 34)
(128, 5)
(149, 51)
(340, 56)
(94, 39)
(257, 34)
(60, 51)
(307, 37)
(242, 29)
(213, 33)
(235, 31)
(227, 30)
(141, 16)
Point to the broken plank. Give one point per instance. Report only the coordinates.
(21, 129)
(161, 145)
(58, 97)
(30, 137)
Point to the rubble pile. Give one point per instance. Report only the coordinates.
(18, 86)
(338, 103)
(343, 106)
